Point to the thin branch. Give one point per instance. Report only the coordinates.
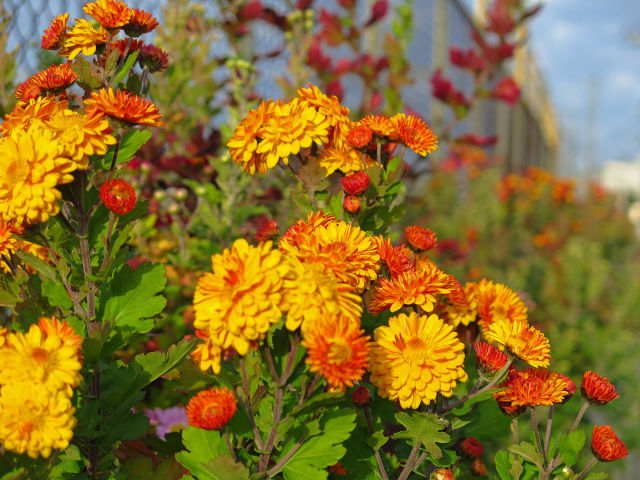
(408, 466)
(587, 468)
(247, 391)
(231, 451)
(547, 435)
(376, 451)
(534, 425)
(276, 468)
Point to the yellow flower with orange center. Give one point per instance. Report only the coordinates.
(40, 358)
(32, 164)
(524, 341)
(337, 349)
(244, 142)
(313, 292)
(124, 106)
(111, 14)
(414, 133)
(347, 161)
(35, 421)
(238, 302)
(291, 127)
(55, 36)
(56, 78)
(418, 287)
(207, 355)
(83, 38)
(28, 112)
(415, 358)
(81, 135)
(531, 387)
(498, 302)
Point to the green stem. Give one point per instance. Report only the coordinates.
(536, 432)
(247, 392)
(383, 472)
(587, 468)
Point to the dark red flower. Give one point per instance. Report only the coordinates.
(267, 231)
(316, 57)
(378, 12)
(118, 196)
(154, 58)
(477, 140)
(499, 18)
(467, 59)
(471, 447)
(361, 397)
(251, 10)
(507, 90)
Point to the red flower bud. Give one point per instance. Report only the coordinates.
(267, 231)
(251, 10)
(597, 390)
(478, 467)
(352, 204)
(471, 447)
(361, 397)
(507, 90)
(356, 183)
(118, 196)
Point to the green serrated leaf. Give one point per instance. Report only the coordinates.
(529, 452)
(131, 60)
(56, 293)
(129, 146)
(425, 428)
(377, 440)
(88, 76)
(503, 464)
(570, 446)
(43, 268)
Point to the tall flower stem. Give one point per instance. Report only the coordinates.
(383, 472)
(247, 392)
(547, 435)
(576, 422)
(411, 461)
(587, 468)
(536, 432)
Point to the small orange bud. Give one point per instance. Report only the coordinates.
(421, 239)
(441, 474)
(267, 231)
(118, 196)
(361, 397)
(352, 204)
(478, 467)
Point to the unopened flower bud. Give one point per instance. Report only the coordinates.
(173, 208)
(352, 204)
(181, 194)
(356, 183)
(478, 467)
(441, 474)
(471, 447)
(200, 190)
(118, 196)
(159, 195)
(361, 397)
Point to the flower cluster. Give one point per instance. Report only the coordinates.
(38, 372)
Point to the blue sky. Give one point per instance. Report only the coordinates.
(583, 46)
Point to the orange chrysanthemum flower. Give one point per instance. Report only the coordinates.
(56, 78)
(267, 231)
(83, 38)
(51, 326)
(524, 341)
(356, 183)
(359, 136)
(411, 288)
(111, 14)
(55, 36)
(337, 349)
(380, 125)
(140, 22)
(26, 113)
(296, 231)
(211, 409)
(490, 359)
(28, 90)
(124, 106)
(570, 387)
(421, 239)
(244, 142)
(393, 258)
(441, 474)
(597, 390)
(414, 359)
(531, 387)
(121, 46)
(495, 302)
(605, 444)
(351, 204)
(414, 133)
(333, 158)
(118, 196)
(207, 355)
(464, 308)
(330, 108)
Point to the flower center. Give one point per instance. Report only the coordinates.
(416, 351)
(339, 351)
(25, 428)
(211, 411)
(17, 172)
(39, 355)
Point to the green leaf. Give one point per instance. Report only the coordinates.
(129, 145)
(377, 440)
(596, 476)
(208, 457)
(449, 457)
(43, 268)
(56, 293)
(88, 77)
(466, 406)
(425, 428)
(130, 427)
(319, 452)
(68, 462)
(503, 464)
(529, 452)
(132, 297)
(131, 59)
(570, 446)
(335, 205)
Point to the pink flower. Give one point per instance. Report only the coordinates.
(507, 90)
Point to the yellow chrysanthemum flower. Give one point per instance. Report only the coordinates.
(314, 220)
(83, 38)
(415, 358)
(498, 302)
(81, 135)
(244, 142)
(312, 292)
(207, 355)
(463, 313)
(35, 421)
(524, 341)
(414, 287)
(242, 298)
(39, 358)
(337, 349)
(32, 164)
(292, 127)
(9, 245)
(346, 160)
(26, 113)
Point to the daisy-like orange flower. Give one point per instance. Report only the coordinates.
(211, 409)
(26, 113)
(244, 142)
(359, 136)
(421, 239)
(394, 259)
(56, 78)
(380, 125)
(490, 359)
(297, 230)
(418, 287)
(55, 36)
(495, 302)
(312, 291)
(124, 106)
(337, 349)
(532, 387)
(597, 390)
(118, 196)
(522, 340)
(140, 22)
(414, 133)
(111, 14)
(414, 359)
(605, 444)
(28, 90)
(207, 355)
(83, 38)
